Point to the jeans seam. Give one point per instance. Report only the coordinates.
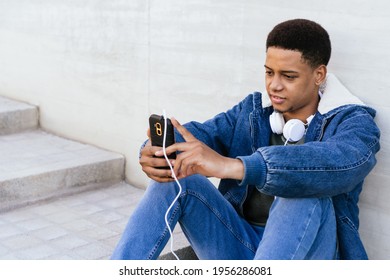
(305, 231)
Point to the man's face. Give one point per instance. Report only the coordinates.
(291, 83)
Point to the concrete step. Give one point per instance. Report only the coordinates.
(35, 165)
(17, 116)
(77, 203)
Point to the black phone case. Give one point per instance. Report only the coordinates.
(156, 125)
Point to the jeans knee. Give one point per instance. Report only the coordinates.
(160, 189)
(301, 205)
(323, 201)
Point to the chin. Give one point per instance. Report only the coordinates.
(279, 109)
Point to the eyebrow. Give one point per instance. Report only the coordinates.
(283, 71)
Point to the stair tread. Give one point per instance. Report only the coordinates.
(35, 166)
(33, 152)
(9, 105)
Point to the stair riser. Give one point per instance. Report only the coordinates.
(17, 116)
(14, 122)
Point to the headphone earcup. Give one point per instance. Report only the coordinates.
(276, 121)
(294, 130)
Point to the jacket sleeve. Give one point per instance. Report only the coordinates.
(334, 165)
(218, 132)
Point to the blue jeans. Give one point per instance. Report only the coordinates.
(303, 228)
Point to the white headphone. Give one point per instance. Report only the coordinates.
(293, 130)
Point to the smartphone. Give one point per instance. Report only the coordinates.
(157, 126)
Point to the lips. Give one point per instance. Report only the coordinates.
(277, 99)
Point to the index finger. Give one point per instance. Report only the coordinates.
(183, 131)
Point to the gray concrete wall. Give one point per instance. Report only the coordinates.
(97, 69)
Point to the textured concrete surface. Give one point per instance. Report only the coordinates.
(85, 226)
(17, 116)
(36, 165)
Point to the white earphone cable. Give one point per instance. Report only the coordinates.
(177, 181)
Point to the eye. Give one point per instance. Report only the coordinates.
(290, 77)
(268, 73)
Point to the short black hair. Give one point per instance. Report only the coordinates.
(305, 36)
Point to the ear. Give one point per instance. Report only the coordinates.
(320, 74)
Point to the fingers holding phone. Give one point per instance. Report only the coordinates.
(151, 165)
(155, 167)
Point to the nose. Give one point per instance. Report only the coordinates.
(274, 83)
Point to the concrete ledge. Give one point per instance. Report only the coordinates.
(35, 165)
(17, 116)
(186, 253)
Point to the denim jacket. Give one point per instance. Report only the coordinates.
(339, 152)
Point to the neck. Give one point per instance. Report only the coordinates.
(303, 113)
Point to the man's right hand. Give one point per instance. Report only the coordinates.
(150, 164)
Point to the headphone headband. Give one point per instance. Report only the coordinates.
(293, 130)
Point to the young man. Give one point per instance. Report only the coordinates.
(288, 191)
